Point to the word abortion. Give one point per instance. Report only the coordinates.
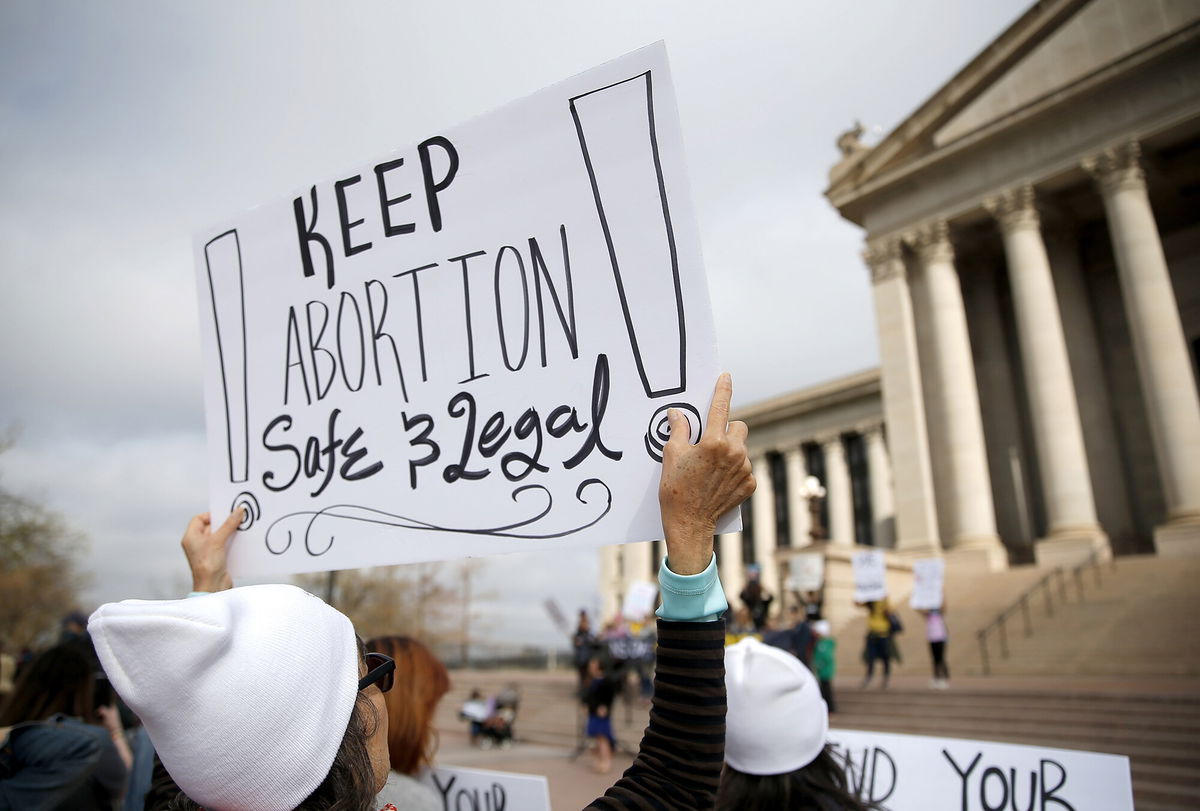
(343, 342)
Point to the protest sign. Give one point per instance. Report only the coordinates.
(640, 599)
(807, 572)
(468, 346)
(919, 773)
(928, 576)
(481, 790)
(870, 575)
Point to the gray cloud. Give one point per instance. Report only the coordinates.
(127, 126)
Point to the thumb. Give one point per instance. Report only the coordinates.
(230, 526)
(681, 429)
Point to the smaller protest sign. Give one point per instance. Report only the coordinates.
(483, 790)
(808, 572)
(640, 599)
(928, 576)
(556, 615)
(920, 773)
(870, 575)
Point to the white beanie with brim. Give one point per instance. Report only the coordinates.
(777, 721)
(246, 693)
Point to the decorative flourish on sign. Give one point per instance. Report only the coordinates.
(251, 512)
(282, 531)
(659, 429)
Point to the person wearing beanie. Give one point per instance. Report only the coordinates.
(260, 698)
(776, 756)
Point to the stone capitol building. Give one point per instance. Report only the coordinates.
(1032, 232)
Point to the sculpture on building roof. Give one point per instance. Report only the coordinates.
(850, 141)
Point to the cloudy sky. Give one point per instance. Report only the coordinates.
(125, 127)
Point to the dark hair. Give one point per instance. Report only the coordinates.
(59, 681)
(819, 786)
(350, 784)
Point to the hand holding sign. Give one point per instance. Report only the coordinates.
(702, 482)
(207, 551)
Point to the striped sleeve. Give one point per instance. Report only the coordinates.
(682, 752)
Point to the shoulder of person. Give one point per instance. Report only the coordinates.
(408, 793)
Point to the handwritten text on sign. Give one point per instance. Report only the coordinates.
(928, 577)
(467, 347)
(870, 575)
(482, 790)
(919, 773)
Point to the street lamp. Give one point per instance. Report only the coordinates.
(814, 492)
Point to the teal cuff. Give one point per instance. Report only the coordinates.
(691, 597)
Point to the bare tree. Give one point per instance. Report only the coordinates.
(39, 582)
(410, 600)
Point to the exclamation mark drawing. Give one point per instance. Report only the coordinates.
(223, 255)
(615, 125)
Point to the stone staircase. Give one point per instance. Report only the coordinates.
(1137, 621)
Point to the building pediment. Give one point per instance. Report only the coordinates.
(1055, 45)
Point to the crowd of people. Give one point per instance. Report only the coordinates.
(264, 697)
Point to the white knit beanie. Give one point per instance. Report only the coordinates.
(777, 721)
(246, 693)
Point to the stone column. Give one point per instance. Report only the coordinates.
(916, 529)
(765, 529)
(879, 468)
(799, 517)
(972, 535)
(732, 568)
(1096, 414)
(1164, 367)
(609, 583)
(1073, 532)
(637, 563)
(838, 492)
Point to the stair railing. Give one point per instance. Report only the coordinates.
(999, 625)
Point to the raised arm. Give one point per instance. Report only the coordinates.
(679, 761)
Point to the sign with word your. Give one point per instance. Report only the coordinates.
(481, 790)
(870, 575)
(465, 347)
(928, 577)
(919, 773)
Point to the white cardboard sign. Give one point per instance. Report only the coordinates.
(807, 572)
(467, 346)
(919, 773)
(870, 575)
(639, 600)
(928, 577)
(464, 789)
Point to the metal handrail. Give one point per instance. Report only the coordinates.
(1000, 623)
